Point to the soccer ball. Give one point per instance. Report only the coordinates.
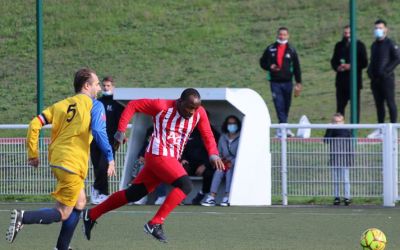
(373, 239)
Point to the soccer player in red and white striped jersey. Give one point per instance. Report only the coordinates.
(173, 121)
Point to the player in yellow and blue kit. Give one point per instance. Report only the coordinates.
(75, 121)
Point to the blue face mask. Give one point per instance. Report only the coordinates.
(379, 33)
(232, 128)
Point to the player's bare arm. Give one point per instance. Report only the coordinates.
(111, 169)
(217, 162)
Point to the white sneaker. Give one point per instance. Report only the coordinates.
(94, 194)
(209, 202)
(376, 134)
(160, 200)
(101, 198)
(225, 202)
(142, 201)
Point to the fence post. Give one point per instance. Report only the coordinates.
(394, 163)
(388, 166)
(284, 165)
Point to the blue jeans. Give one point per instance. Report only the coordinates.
(217, 178)
(282, 97)
(341, 175)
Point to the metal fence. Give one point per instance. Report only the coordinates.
(300, 167)
(17, 178)
(303, 167)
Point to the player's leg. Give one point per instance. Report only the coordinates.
(66, 194)
(142, 185)
(169, 170)
(21, 217)
(69, 225)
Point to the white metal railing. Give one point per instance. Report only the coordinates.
(17, 178)
(299, 166)
(303, 164)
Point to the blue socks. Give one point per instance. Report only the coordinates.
(67, 230)
(42, 216)
(50, 215)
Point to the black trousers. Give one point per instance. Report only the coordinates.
(383, 90)
(207, 179)
(100, 167)
(343, 96)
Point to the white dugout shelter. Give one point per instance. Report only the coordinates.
(251, 183)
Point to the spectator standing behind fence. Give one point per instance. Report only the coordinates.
(341, 65)
(281, 62)
(385, 56)
(75, 121)
(99, 190)
(340, 158)
(227, 146)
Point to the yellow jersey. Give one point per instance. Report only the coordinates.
(70, 135)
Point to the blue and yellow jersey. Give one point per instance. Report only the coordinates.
(73, 120)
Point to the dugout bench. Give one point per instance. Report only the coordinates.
(251, 182)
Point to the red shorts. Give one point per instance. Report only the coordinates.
(159, 169)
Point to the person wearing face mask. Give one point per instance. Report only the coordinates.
(99, 190)
(385, 56)
(281, 62)
(227, 145)
(340, 63)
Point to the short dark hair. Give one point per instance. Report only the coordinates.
(379, 21)
(82, 76)
(346, 26)
(283, 28)
(108, 79)
(224, 127)
(189, 92)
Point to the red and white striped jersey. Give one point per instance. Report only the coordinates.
(171, 130)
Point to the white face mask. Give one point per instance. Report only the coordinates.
(282, 41)
(107, 93)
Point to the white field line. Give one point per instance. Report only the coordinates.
(358, 212)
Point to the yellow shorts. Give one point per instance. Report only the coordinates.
(68, 187)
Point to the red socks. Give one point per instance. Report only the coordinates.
(174, 198)
(116, 200)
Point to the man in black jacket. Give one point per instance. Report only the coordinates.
(341, 64)
(99, 191)
(281, 62)
(385, 56)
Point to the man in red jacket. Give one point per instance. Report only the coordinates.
(173, 122)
